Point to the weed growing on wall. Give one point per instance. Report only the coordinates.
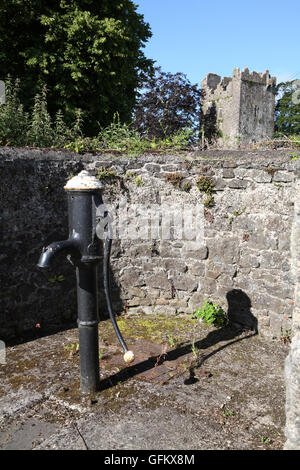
(174, 178)
(205, 185)
(106, 175)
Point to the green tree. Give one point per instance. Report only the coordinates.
(87, 52)
(287, 114)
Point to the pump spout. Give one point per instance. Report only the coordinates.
(53, 249)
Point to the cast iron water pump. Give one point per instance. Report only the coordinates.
(87, 223)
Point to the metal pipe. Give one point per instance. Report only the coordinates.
(87, 303)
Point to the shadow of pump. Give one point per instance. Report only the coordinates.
(240, 319)
(239, 310)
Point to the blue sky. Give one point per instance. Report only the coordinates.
(196, 36)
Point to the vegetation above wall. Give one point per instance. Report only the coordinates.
(37, 128)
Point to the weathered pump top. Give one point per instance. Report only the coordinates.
(83, 182)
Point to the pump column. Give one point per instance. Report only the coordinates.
(84, 196)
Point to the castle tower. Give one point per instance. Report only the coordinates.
(239, 109)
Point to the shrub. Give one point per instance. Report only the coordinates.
(14, 121)
(38, 130)
(211, 313)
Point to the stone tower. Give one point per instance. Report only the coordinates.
(239, 109)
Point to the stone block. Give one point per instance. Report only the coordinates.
(162, 301)
(146, 310)
(229, 164)
(196, 300)
(164, 310)
(243, 282)
(152, 168)
(225, 280)
(284, 241)
(168, 293)
(177, 303)
(185, 282)
(137, 250)
(174, 264)
(248, 224)
(262, 241)
(268, 302)
(153, 293)
(171, 168)
(158, 280)
(213, 271)
(209, 286)
(196, 268)
(137, 301)
(219, 184)
(238, 184)
(248, 260)
(224, 250)
(135, 292)
(166, 250)
(271, 259)
(150, 266)
(228, 173)
(261, 176)
(132, 277)
(283, 177)
(276, 322)
(195, 250)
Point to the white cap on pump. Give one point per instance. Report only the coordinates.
(83, 182)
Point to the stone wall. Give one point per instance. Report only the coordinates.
(243, 260)
(33, 213)
(292, 365)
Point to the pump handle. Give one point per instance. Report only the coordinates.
(128, 356)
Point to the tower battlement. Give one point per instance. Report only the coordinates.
(256, 77)
(213, 81)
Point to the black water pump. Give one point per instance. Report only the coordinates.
(88, 228)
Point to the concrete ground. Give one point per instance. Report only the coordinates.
(191, 387)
